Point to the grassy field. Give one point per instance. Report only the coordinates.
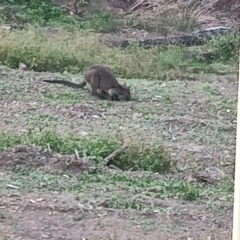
(77, 132)
(174, 180)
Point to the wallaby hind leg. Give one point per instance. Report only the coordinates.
(94, 91)
(100, 94)
(94, 78)
(103, 95)
(111, 96)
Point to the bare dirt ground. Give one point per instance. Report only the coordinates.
(195, 119)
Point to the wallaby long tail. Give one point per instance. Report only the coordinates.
(67, 83)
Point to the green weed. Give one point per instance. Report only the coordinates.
(225, 48)
(45, 13)
(155, 159)
(149, 158)
(86, 186)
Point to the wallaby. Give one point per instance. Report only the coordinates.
(103, 83)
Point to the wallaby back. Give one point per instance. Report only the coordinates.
(101, 77)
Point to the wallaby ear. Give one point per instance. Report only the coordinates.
(129, 87)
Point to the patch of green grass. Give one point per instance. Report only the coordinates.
(75, 52)
(140, 191)
(225, 48)
(212, 134)
(45, 13)
(151, 158)
(212, 90)
(230, 104)
(99, 147)
(63, 98)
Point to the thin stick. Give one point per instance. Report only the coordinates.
(236, 212)
(66, 7)
(113, 154)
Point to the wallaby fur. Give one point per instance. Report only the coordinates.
(103, 83)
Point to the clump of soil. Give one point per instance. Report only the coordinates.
(33, 157)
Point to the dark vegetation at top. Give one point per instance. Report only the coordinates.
(45, 13)
(44, 52)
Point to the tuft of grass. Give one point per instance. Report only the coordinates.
(148, 158)
(166, 18)
(153, 158)
(225, 48)
(74, 52)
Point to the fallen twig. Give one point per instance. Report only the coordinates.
(74, 11)
(110, 157)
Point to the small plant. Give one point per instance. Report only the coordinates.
(101, 21)
(149, 158)
(8, 141)
(225, 48)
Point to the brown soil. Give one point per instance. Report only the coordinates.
(60, 216)
(40, 215)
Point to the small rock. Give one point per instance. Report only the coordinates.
(45, 236)
(95, 116)
(12, 186)
(215, 172)
(22, 67)
(21, 148)
(7, 28)
(135, 116)
(155, 189)
(40, 199)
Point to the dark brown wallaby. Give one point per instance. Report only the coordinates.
(103, 83)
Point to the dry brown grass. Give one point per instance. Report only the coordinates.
(200, 13)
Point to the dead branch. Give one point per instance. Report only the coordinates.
(114, 154)
(74, 11)
(75, 7)
(66, 7)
